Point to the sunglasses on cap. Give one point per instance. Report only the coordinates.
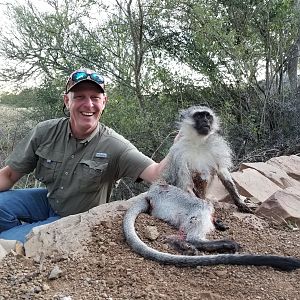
(82, 75)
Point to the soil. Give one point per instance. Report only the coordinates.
(111, 270)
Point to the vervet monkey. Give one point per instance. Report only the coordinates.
(199, 154)
(177, 198)
(192, 216)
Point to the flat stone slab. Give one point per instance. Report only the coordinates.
(216, 191)
(7, 246)
(283, 206)
(70, 234)
(272, 172)
(289, 164)
(252, 183)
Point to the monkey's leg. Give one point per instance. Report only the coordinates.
(216, 245)
(227, 181)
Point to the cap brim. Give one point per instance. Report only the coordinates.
(87, 79)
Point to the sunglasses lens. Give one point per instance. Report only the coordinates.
(79, 76)
(96, 77)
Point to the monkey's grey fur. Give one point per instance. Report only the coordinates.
(200, 154)
(177, 197)
(192, 216)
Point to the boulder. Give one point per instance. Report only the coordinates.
(283, 206)
(7, 246)
(216, 191)
(272, 172)
(289, 164)
(252, 183)
(69, 235)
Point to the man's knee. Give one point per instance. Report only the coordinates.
(7, 219)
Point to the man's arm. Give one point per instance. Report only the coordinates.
(8, 177)
(152, 172)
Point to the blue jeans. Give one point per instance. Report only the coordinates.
(23, 209)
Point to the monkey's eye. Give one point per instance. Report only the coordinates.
(202, 115)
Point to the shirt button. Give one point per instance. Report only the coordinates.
(61, 187)
(72, 156)
(66, 173)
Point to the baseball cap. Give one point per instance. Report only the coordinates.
(81, 75)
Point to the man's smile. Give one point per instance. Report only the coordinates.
(87, 114)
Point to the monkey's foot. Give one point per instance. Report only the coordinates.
(216, 246)
(182, 246)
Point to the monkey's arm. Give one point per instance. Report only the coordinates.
(227, 181)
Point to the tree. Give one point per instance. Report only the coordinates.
(161, 56)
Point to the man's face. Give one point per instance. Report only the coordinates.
(85, 103)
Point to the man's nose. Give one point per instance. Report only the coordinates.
(89, 101)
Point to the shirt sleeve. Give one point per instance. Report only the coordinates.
(23, 158)
(132, 163)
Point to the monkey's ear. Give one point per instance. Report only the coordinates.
(204, 104)
(183, 114)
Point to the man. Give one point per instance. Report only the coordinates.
(77, 158)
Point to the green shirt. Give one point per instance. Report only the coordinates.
(79, 174)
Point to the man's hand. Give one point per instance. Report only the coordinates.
(8, 177)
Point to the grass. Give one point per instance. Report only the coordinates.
(14, 124)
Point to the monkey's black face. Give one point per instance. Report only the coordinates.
(203, 121)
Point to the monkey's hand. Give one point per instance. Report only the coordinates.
(220, 225)
(248, 205)
(243, 207)
(182, 246)
(227, 181)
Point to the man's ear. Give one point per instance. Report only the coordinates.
(106, 99)
(66, 100)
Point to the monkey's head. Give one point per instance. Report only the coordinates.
(203, 120)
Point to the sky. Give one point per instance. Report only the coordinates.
(8, 86)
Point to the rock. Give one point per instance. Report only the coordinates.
(7, 246)
(290, 164)
(282, 206)
(55, 273)
(216, 191)
(103, 260)
(221, 273)
(151, 233)
(251, 183)
(45, 287)
(69, 235)
(272, 172)
(19, 249)
(209, 296)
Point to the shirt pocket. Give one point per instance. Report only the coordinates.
(91, 174)
(48, 165)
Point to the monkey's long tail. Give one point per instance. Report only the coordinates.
(142, 205)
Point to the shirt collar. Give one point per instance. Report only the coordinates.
(89, 138)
